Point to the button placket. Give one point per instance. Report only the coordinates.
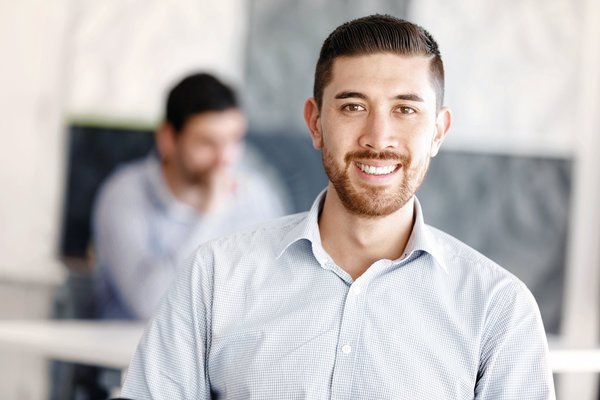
(349, 335)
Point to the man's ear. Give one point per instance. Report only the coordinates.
(443, 123)
(312, 117)
(165, 140)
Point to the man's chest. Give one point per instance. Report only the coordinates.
(334, 341)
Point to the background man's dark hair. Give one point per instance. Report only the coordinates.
(195, 94)
(378, 34)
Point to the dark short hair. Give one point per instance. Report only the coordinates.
(196, 94)
(378, 34)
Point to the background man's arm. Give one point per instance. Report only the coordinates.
(141, 271)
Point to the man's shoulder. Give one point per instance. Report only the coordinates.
(494, 288)
(264, 236)
(125, 178)
(129, 171)
(464, 260)
(124, 186)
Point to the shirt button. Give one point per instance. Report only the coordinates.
(346, 349)
(355, 290)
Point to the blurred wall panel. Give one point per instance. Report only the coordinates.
(513, 209)
(283, 46)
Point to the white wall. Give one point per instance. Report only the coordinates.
(32, 36)
(581, 325)
(512, 70)
(124, 55)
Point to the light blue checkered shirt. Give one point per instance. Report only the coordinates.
(266, 314)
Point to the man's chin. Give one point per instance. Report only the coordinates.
(372, 203)
(198, 178)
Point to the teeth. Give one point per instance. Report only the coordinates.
(371, 170)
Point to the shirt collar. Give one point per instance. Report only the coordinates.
(421, 239)
(308, 229)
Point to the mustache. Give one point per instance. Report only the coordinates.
(375, 155)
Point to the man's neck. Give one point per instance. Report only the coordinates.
(356, 242)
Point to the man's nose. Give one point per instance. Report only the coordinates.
(378, 133)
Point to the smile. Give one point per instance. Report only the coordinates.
(373, 170)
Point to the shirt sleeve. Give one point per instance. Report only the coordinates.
(170, 361)
(124, 248)
(514, 360)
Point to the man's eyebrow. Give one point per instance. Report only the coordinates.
(349, 95)
(358, 95)
(410, 97)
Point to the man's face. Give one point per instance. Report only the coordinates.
(209, 142)
(378, 128)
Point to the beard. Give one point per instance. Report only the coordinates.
(194, 176)
(374, 201)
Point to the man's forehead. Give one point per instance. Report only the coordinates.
(381, 71)
(216, 123)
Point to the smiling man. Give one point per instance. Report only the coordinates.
(358, 298)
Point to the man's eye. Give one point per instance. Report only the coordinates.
(406, 110)
(353, 107)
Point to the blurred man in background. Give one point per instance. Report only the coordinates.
(151, 213)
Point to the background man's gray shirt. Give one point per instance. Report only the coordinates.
(142, 233)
